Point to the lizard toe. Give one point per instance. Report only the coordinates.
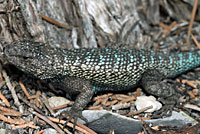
(71, 114)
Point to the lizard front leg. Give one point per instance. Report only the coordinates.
(154, 83)
(85, 92)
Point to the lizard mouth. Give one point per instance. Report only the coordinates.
(21, 57)
(13, 52)
(17, 59)
(15, 56)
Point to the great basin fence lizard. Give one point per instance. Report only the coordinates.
(86, 71)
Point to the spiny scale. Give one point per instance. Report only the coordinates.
(123, 68)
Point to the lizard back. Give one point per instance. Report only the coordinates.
(123, 68)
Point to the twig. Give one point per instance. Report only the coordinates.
(40, 132)
(111, 103)
(2, 96)
(29, 104)
(139, 111)
(192, 20)
(65, 129)
(38, 102)
(63, 106)
(11, 121)
(191, 106)
(10, 112)
(50, 20)
(30, 124)
(24, 89)
(49, 122)
(128, 99)
(71, 125)
(189, 83)
(46, 103)
(95, 108)
(11, 88)
(195, 41)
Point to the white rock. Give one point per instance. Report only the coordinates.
(57, 101)
(50, 131)
(145, 101)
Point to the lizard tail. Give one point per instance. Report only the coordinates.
(178, 63)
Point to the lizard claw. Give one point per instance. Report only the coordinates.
(72, 114)
(165, 111)
(169, 104)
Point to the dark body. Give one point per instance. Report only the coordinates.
(88, 70)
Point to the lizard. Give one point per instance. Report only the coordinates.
(89, 70)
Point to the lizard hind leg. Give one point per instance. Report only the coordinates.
(154, 83)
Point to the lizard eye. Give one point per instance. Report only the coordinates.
(25, 58)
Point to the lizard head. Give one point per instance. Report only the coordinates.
(31, 57)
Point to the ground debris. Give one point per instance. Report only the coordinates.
(188, 129)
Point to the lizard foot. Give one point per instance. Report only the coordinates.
(72, 114)
(169, 104)
(166, 111)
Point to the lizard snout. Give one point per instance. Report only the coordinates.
(10, 51)
(18, 52)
